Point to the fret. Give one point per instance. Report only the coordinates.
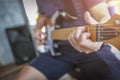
(98, 32)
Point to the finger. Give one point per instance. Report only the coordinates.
(84, 42)
(38, 42)
(37, 36)
(73, 42)
(43, 41)
(43, 36)
(41, 21)
(95, 46)
(43, 29)
(84, 36)
(77, 32)
(76, 36)
(88, 45)
(89, 19)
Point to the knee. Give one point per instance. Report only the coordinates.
(30, 73)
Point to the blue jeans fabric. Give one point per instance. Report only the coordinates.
(113, 63)
(92, 66)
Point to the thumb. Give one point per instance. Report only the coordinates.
(89, 19)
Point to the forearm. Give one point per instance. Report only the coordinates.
(100, 12)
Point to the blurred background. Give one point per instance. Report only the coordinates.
(17, 22)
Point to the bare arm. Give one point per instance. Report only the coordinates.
(100, 12)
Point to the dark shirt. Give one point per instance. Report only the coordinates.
(73, 7)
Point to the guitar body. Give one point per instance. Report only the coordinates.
(108, 32)
(115, 42)
(114, 23)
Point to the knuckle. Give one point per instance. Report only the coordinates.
(71, 38)
(81, 43)
(87, 52)
(75, 37)
(96, 49)
(70, 35)
(81, 51)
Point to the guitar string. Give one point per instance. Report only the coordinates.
(105, 28)
(109, 34)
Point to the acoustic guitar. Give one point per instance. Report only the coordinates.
(108, 32)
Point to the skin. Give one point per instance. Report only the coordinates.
(100, 14)
(38, 30)
(79, 39)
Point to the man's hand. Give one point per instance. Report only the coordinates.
(39, 35)
(79, 39)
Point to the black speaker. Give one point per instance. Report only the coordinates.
(16, 43)
(21, 44)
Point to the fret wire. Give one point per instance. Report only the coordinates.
(108, 31)
(106, 37)
(98, 32)
(105, 28)
(109, 34)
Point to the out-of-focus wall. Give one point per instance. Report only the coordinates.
(116, 4)
(31, 10)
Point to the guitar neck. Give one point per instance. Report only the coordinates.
(108, 32)
(62, 34)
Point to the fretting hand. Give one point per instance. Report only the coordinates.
(79, 39)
